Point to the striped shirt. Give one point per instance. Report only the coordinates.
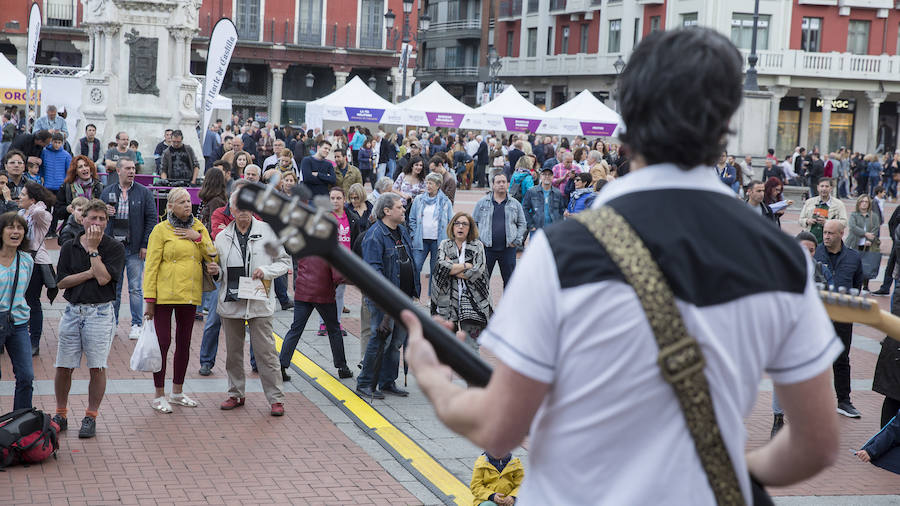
(20, 310)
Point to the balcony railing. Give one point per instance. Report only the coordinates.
(560, 64)
(802, 63)
(460, 24)
(447, 72)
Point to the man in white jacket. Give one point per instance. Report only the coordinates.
(243, 259)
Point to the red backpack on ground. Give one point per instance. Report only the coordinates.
(27, 436)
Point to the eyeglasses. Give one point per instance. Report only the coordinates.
(460, 223)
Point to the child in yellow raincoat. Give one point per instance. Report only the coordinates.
(496, 481)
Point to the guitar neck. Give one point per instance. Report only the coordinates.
(462, 359)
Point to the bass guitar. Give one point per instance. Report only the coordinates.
(845, 308)
(306, 230)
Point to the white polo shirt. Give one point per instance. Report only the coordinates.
(610, 430)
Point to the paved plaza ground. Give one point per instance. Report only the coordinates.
(331, 447)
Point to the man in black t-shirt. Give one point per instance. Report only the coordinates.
(89, 269)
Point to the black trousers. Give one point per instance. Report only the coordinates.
(889, 271)
(841, 366)
(889, 409)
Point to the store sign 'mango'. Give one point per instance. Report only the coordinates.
(836, 104)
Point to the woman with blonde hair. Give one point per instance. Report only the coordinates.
(172, 285)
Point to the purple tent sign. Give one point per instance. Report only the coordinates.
(521, 124)
(444, 119)
(598, 129)
(364, 114)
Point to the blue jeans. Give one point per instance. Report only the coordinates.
(429, 249)
(207, 299)
(18, 347)
(33, 298)
(209, 345)
(506, 258)
(134, 268)
(302, 310)
(890, 186)
(281, 289)
(390, 362)
(338, 301)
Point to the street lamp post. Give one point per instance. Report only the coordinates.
(751, 83)
(494, 67)
(424, 21)
(619, 65)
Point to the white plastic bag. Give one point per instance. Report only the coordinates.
(146, 356)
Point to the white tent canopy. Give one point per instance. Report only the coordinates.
(12, 83)
(353, 102)
(509, 112)
(583, 115)
(220, 102)
(433, 107)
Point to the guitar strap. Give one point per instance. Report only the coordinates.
(680, 359)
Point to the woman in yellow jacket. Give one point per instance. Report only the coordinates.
(172, 284)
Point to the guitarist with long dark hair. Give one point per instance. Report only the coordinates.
(642, 400)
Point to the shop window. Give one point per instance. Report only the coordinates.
(540, 100)
(788, 132)
(689, 19)
(840, 133)
(811, 34)
(742, 31)
(615, 36)
(858, 36)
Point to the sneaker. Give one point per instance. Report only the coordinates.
(369, 392)
(35, 351)
(343, 331)
(62, 421)
(284, 375)
(135, 333)
(285, 306)
(205, 370)
(231, 403)
(846, 408)
(346, 310)
(322, 331)
(277, 409)
(345, 372)
(882, 291)
(777, 425)
(88, 428)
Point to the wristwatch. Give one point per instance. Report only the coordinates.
(94, 254)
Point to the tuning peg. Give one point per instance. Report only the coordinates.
(820, 286)
(842, 290)
(831, 288)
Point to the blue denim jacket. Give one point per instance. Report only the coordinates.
(380, 252)
(142, 215)
(533, 203)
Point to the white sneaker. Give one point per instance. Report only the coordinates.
(135, 332)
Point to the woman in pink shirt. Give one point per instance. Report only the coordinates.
(338, 198)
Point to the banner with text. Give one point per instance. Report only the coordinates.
(444, 119)
(221, 46)
(364, 114)
(34, 35)
(521, 124)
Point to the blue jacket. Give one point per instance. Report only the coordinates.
(443, 213)
(54, 164)
(533, 203)
(580, 200)
(884, 447)
(728, 175)
(846, 268)
(380, 252)
(142, 215)
(523, 177)
(515, 221)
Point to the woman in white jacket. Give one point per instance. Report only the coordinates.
(242, 254)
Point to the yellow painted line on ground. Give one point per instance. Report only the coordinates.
(408, 449)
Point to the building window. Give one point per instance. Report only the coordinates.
(540, 100)
(898, 40)
(858, 37)
(583, 46)
(811, 34)
(637, 31)
(510, 38)
(371, 14)
(565, 41)
(452, 10)
(615, 36)
(247, 19)
(549, 41)
(532, 42)
(689, 19)
(451, 57)
(532, 6)
(742, 31)
(430, 58)
(59, 12)
(309, 27)
(654, 23)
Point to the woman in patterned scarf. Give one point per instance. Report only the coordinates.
(460, 283)
(81, 181)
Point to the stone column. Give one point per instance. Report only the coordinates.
(340, 78)
(827, 96)
(275, 108)
(875, 99)
(21, 53)
(778, 92)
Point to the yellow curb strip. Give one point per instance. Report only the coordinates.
(408, 449)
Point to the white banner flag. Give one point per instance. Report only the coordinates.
(34, 35)
(221, 46)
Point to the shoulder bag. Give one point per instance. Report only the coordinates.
(680, 359)
(6, 319)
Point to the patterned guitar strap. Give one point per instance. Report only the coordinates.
(680, 358)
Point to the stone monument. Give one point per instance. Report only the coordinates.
(141, 81)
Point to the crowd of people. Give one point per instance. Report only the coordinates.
(393, 196)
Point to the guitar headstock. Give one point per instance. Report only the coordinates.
(302, 229)
(842, 307)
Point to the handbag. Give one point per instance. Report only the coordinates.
(209, 283)
(871, 262)
(6, 320)
(680, 358)
(48, 278)
(147, 356)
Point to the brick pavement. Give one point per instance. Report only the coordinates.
(326, 466)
